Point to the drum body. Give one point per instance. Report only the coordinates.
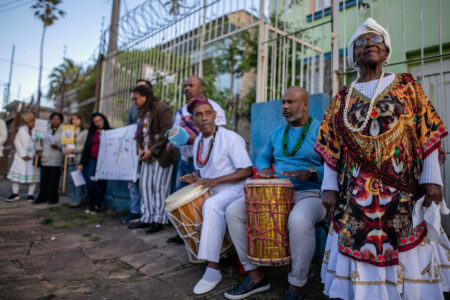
(268, 203)
(184, 210)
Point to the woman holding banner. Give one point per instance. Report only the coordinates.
(74, 155)
(22, 169)
(96, 188)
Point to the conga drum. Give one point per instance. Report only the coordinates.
(268, 203)
(184, 210)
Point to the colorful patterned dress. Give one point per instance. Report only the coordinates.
(373, 251)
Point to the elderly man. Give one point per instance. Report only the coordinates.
(222, 164)
(193, 87)
(291, 149)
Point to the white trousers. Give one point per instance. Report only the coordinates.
(214, 223)
(15, 188)
(307, 211)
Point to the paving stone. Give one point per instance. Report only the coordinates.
(138, 260)
(114, 248)
(14, 250)
(160, 265)
(58, 241)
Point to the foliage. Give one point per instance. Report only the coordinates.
(68, 72)
(47, 11)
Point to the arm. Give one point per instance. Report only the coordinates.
(3, 132)
(238, 175)
(265, 157)
(431, 179)
(330, 188)
(20, 143)
(164, 116)
(79, 146)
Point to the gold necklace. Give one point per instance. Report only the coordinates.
(372, 103)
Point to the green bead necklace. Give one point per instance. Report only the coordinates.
(299, 141)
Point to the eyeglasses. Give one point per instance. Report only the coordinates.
(364, 41)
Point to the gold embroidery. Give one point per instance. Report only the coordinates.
(326, 256)
(401, 272)
(428, 270)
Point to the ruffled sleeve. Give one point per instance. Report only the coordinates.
(328, 144)
(430, 129)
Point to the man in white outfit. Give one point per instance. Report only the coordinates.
(290, 148)
(222, 164)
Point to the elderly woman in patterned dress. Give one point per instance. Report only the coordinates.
(381, 141)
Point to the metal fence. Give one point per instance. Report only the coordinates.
(300, 42)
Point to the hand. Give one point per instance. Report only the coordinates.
(299, 174)
(145, 155)
(433, 192)
(267, 173)
(170, 147)
(189, 178)
(329, 200)
(54, 146)
(80, 168)
(26, 158)
(68, 151)
(206, 182)
(38, 152)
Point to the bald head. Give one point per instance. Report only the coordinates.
(193, 87)
(295, 105)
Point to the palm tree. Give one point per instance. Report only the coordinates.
(68, 73)
(48, 12)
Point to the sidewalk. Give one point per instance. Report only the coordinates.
(53, 252)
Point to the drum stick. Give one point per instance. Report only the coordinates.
(64, 176)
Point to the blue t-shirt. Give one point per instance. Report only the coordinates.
(305, 158)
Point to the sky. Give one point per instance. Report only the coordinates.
(79, 30)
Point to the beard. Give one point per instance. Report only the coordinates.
(297, 116)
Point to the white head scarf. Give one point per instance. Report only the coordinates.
(369, 25)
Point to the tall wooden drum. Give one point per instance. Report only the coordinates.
(268, 203)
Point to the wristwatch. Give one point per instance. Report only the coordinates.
(313, 172)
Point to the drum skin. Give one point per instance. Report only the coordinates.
(184, 209)
(268, 203)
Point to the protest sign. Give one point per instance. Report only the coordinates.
(117, 156)
(68, 134)
(40, 129)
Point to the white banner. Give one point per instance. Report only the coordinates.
(117, 156)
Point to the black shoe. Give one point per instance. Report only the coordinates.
(37, 201)
(137, 225)
(154, 227)
(293, 295)
(12, 198)
(30, 198)
(175, 240)
(247, 288)
(131, 218)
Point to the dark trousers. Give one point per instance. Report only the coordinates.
(96, 189)
(48, 187)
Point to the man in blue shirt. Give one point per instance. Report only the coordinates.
(291, 149)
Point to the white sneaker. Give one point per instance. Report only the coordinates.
(12, 198)
(203, 286)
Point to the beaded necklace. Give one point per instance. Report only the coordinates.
(299, 140)
(372, 103)
(201, 163)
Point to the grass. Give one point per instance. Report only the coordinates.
(67, 220)
(92, 237)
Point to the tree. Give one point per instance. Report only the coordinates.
(68, 72)
(48, 12)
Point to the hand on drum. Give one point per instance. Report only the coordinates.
(266, 174)
(299, 174)
(329, 200)
(206, 182)
(433, 192)
(189, 178)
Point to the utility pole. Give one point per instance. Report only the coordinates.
(8, 91)
(114, 29)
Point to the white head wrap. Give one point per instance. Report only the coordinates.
(369, 25)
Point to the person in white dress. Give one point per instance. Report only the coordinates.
(22, 170)
(222, 164)
(3, 135)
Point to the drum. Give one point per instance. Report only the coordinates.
(184, 210)
(268, 203)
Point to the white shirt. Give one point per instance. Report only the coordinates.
(228, 154)
(186, 150)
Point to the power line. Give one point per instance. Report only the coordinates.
(22, 64)
(18, 6)
(12, 2)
